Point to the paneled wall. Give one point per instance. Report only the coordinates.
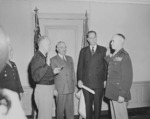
(140, 93)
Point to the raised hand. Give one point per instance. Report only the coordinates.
(80, 83)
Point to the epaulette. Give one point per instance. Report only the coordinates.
(124, 52)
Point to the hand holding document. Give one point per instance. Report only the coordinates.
(80, 84)
(80, 96)
(88, 89)
(57, 70)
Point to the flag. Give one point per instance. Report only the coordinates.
(85, 31)
(37, 33)
(82, 106)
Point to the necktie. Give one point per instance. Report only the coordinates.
(92, 50)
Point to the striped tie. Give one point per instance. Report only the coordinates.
(92, 50)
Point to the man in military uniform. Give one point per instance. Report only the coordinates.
(42, 74)
(119, 78)
(10, 107)
(9, 76)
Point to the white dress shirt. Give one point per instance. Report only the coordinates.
(95, 46)
(62, 56)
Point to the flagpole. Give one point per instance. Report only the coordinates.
(85, 31)
(36, 30)
(36, 12)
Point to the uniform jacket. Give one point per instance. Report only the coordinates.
(92, 68)
(9, 78)
(41, 72)
(119, 78)
(65, 80)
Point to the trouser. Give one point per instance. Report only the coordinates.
(118, 110)
(65, 103)
(95, 100)
(44, 100)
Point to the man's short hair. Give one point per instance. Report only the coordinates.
(87, 35)
(121, 35)
(60, 43)
(41, 38)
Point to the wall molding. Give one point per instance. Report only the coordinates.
(140, 93)
(104, 1)
(116, 1)
(60, 16)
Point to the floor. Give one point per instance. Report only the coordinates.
(142, 113)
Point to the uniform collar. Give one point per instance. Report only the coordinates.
(40, 53)
(116, 54)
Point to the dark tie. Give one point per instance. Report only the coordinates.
(92, 50)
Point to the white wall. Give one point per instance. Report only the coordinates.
(15, 17)
(133, 20)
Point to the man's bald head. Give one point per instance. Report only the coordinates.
(3, 48)
(61, 47)
(117, 41)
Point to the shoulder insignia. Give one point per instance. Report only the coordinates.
(119, 59)
(122, 53)
(37, 55)
(125, 52)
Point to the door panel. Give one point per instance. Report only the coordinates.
(69, 31)
(62, 34)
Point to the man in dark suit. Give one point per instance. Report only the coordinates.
(64, 82)
(119, 78)
(91, 72)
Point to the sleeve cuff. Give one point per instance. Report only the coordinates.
(122, 93)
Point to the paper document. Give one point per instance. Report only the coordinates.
(88, 89)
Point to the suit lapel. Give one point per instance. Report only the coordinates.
(88, 52)
(98, 52)
(60, 60)
(117, 54)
